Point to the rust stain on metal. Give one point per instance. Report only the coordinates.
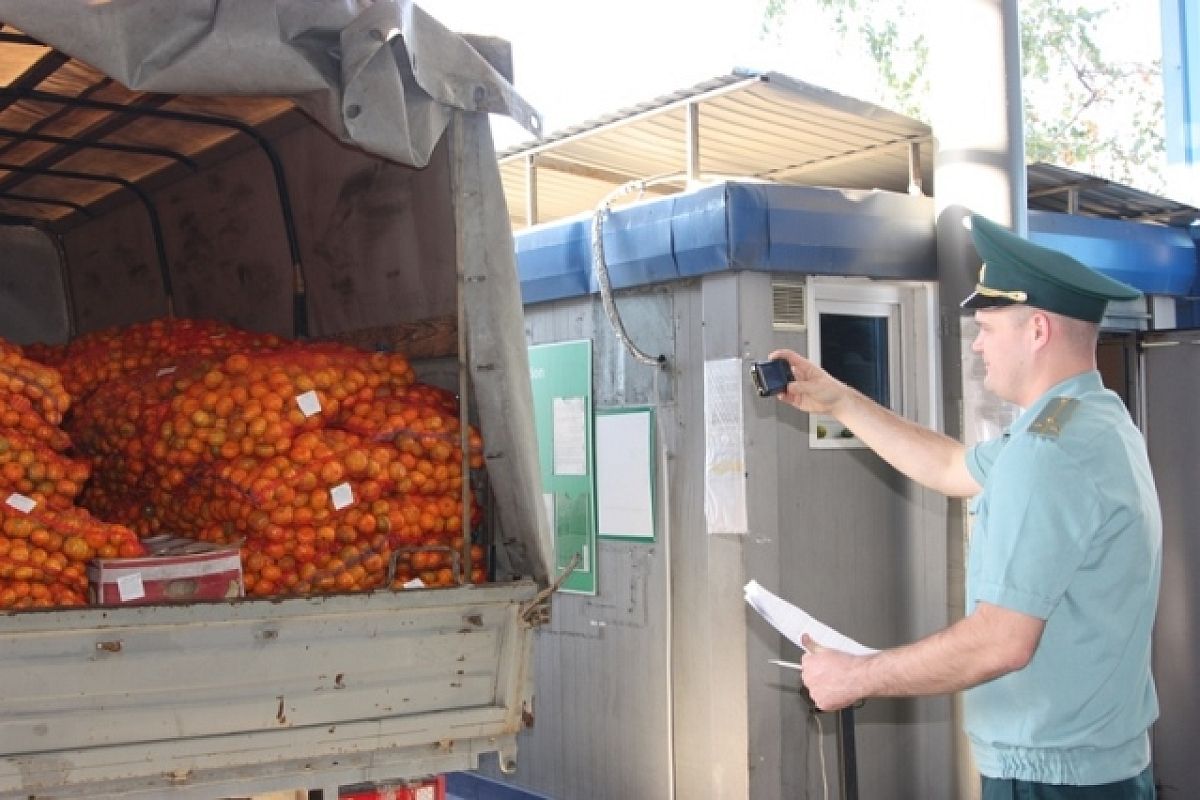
(281, 717)
(337, 681)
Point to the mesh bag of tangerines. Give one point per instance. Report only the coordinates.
(330, 468)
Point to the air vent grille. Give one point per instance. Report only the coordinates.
(787, 305)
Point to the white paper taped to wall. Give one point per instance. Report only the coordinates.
(724, 450)
(793, 623)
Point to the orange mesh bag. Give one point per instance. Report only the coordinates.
(310, 457)
(101, 356)
(31, 468)
(44, 552)
(51, 355)
(32, 399)
(39, 388)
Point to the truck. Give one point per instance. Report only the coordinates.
(317, 171)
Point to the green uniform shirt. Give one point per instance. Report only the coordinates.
(1068, 529)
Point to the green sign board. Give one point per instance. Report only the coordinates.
(561, 374)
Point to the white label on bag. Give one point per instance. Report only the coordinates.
(341, 495)
(309, 403)
(129, 587)
(166, 371)
(21, 503)
(415, 583)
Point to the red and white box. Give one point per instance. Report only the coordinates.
(206, 572)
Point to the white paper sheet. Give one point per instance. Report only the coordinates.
(793, 623)
(724, 449)
(570, 435)
(624, 477)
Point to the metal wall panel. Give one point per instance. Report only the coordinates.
(836, 531)
(601, 716)
(224, 236)
(33, 305)
(1171, 365)
(113, 270)
(376, 238)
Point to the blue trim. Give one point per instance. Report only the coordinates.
(806, 230)
(1153, 258)
(735, 226)
(1181, 80)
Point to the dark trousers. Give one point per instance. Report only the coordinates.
(1139, 787)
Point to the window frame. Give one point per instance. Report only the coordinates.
(876, 301)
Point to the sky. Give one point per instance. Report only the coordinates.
(575, 61)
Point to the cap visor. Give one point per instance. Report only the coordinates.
(977, 300)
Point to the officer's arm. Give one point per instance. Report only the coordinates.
(990, 642)
(928, 457)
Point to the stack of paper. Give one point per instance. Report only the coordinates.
(794, 623)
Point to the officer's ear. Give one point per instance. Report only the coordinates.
(1040, 327)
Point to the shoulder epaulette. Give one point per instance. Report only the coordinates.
(1054, 417)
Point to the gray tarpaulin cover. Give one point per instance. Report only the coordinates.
(381, 75)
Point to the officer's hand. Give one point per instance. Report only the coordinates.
(829, 676)
(813, 389)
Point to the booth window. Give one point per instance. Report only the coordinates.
(855, 336)
(854, 349)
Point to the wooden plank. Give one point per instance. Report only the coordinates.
(436, 337)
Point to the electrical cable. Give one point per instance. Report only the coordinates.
(816, 715)
(600, 267)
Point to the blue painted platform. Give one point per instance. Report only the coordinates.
(473, 786)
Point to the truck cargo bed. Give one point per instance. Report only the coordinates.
(138, 699)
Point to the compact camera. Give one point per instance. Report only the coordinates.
(771, 377)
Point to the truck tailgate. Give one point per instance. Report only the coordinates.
(148, 698)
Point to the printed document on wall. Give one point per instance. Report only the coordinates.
(724, 447)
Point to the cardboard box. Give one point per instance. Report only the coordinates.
(433, 788)
(167, 575)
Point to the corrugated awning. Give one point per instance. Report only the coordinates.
(762, 126)
(1053, 188)
(770, 127)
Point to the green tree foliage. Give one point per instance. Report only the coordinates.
(1083, 110)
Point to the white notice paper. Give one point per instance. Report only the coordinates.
(725, 508)
(624, 477)
(794, 623)
(570, 436)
